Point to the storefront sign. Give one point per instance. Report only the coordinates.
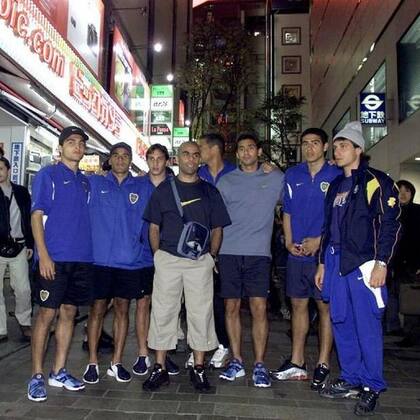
(161, 106)
(372, 108)
(181, 135)
(16, 162)
(128, 84)
(30, 40)
(90, 163)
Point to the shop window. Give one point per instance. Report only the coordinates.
(343, 121)
(408, 53)
(374, 133)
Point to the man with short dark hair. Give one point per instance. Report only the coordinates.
(250, 196)
(16, 247)
(360, 233)
(116, 207)
(64, 280)
(178, 271)
(157, 157)
(212, 149)
(306, 187)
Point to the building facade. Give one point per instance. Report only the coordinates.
(365, 65)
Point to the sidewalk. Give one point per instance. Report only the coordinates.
(238, 400)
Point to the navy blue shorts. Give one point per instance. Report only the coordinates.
(244, 276)
(300, 279)
(113, 282)
(72, 285)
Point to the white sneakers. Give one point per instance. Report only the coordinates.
(219, 357)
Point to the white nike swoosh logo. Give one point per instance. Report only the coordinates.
(185, 203)
(66, 182)
(104, 192)
(299, 184)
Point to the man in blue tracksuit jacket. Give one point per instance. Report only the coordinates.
(306, 187)
(360, 232)
(116, 208)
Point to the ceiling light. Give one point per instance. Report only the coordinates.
(170, 77)
(417, 158)
(158, 47)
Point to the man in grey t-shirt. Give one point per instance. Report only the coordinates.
(250, 196)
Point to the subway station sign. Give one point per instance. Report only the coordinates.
(372, 108)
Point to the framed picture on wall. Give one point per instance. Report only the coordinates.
(290, 36)
(292, 90)
(291, 64)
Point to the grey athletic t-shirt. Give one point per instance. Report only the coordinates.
(250, 199)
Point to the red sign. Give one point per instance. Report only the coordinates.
(19, 20)
(94, 102)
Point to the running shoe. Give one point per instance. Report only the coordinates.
(320, 378)
(190, 361)
(260, 376)
(157, 378)
(36, 388)
(199, 379)
(171, 367)
(141, 365)
(119, 372)
(340, 389)
(367, 403)
(63, 379)
(219, 357)
(235, 369)
(289, 371)
(91, 375)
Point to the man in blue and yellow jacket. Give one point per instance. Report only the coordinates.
(360, 232)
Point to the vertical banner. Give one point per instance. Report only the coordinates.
(17, 162)
(161, 108)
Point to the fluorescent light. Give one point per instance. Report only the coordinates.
(372, 47)
(417, 158)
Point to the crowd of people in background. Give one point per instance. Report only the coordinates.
(204, 239)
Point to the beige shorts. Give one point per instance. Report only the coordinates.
(174, 275)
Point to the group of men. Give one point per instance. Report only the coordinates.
(340, 223)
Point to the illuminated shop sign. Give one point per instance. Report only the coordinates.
(161, 106)
(31, 41)
(372, 108)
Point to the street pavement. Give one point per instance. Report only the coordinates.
(238, 400)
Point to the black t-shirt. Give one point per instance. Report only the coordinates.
(201, 202)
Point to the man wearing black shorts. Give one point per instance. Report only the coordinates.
(60, 196)
(116, 209)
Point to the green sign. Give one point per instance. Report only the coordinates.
(161, 116)
(181, 131)
(162, 91)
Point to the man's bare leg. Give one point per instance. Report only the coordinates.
(94, 327)
(233, 326)
(258, 306)
(142, 324)
(300, 328)
(63, 335)
(40, 332)
(325, 333)
(120, 327)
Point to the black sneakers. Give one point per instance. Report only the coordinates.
(157, 378)
(340, 389)
(199, 379)
(367, 403)
(320, 377)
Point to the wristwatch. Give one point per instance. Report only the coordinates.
(380, 263)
